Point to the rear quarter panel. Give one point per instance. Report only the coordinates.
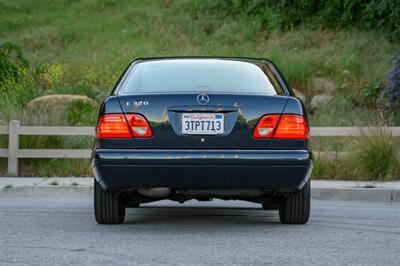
(293, 106)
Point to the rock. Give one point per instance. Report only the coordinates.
(299, 95)
(57, 102)
(320, 100)
(324, 85)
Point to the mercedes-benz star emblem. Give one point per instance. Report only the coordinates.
(203, 98)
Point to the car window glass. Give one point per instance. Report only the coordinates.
(194, 75)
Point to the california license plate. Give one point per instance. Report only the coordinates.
(202, 123)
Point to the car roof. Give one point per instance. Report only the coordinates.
(202, 57)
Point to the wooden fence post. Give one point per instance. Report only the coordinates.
(13, 147)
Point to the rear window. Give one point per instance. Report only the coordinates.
(201, 75)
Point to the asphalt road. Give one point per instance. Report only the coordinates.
(54, 231)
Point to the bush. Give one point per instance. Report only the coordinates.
(367, 96)
(81, 113)
(15, 94)
(17, 81)
(370, 94)
(50, 75)
(376, 157)
(11, 61)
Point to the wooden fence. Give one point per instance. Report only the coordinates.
(14, 130)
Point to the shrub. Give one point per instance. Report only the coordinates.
(376, 157)
(368, 95)
(15, 94)
(16, 78)
(17, 81)
(81, 113)
(11, 61)
(51, 74)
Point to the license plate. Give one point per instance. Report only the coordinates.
(202, 123)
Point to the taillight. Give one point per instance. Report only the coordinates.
(281, 127)
(265, 126)
(292, 127)
(139, 125)
(113, 126)
(120, 126)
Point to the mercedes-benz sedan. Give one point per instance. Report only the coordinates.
(202, 128)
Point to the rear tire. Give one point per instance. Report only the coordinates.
(109, 206)
(295, 209)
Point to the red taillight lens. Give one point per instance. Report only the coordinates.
(120, 126)
(265, 127)
(281, 127)
(113, 126)
(292, 127)
(139, 125)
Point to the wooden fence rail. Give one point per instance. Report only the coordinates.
(14, 130)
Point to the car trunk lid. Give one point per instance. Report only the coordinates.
(165, 113)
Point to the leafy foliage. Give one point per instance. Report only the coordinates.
(381, 15)
(368, 95)
(17, 82)
(50, 75)
(11, 61)
(81, 113)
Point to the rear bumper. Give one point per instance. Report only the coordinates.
(267, 169)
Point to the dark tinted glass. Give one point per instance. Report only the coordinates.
(200, 75)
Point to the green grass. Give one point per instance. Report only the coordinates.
(376, 157)
(373, 158)
(93, 41)
(55, 167)
(342, 143)
(81, 47)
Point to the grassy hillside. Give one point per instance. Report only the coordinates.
(81, 47)
(86, 45)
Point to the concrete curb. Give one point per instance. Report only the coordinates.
(47, 191)
(383, 195)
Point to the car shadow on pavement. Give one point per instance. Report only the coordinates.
(200, 216)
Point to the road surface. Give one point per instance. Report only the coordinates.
(61, 231)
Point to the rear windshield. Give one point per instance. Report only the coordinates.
(201, 75)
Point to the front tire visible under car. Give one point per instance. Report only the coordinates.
(295, 209)
(109, 206)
